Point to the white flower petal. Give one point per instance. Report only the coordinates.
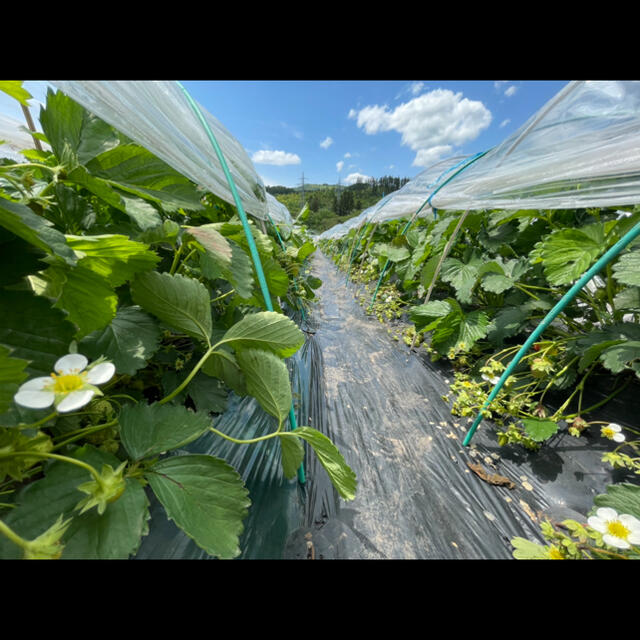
(631, 522)
(614, 426)
(597, 523)
(101, 373)
(75, 400)
(618, 437)
(607, 513)
(36, 384)
(615, 541)
(71, 363)
(34, 398)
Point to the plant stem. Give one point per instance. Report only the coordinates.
(224, 295)
(55, 456)
(13, 536)
(39, 422)
(188, 379)
(84, 432)
(176, 259)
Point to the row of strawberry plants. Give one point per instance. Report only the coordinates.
(474, 285)
(130, 310)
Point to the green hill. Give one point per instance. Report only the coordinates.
(332, 204)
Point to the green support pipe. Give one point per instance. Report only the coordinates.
(550, 317)
(247, 230)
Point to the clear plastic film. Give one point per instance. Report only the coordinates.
(582, 149)
(279, 212)
(157, 115)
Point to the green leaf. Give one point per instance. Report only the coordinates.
(35, 229)
(19, 258)
(129, 340)
(539, 430)
(225, 367)
(149, 430)
(526, 550)
(11, 376)
(461, 276)
(181, 302)
(496, 283)
(15, 89)
(207, 395)
(115, 257)
(292, 455)
(305, 251)
(266, 330)
(137, 171)
(627, 268)
(87, 297)
(342, 476)
(567, 254)
(34, 330)
(238, 272)
(205, 497)
(618, 357)
(624, 498)
(426, 316)
(429, 270)
(393, 254)
(628, 298)
(593, 352)
(509, 321)
(75, 135)
(267, 380)
(114, 535)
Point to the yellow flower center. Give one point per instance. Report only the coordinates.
(68, 382)
(617, 529)
(554, 554)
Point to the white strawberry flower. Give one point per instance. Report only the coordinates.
(620, 531)
(613, 432)
(71, 386)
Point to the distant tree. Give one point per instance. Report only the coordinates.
(314, 203)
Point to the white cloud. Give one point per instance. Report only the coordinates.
(498, 83)
(509, 91)
(327, 142)
(340, 166)
(347, 155)
(427, 157)
(352, 113)
(416, 88)
(279, 158)
(431, 124)
(352, 178)
(505, 122)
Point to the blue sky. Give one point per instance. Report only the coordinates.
(339, 130)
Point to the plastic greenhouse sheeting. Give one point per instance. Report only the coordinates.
(582, 149)
(157, 115)
(278, 213)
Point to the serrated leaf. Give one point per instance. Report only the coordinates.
(538, 429)
(426, 316)
(34, 330)
(129, 340)
(35, 229)
(524, 549)
(265, 330)
(292, 455)
(114, 535)
(342, 476)
(496, 283)
(593, 352)
(12, 374)
(239, 272)
(225, 367)
(509, 321)
(267, 379)
(567, 254)
(462, 277)
(88, 298)
(429, 270)
(181, 302)
(205, 497)
(148, 430)
(628, 298)
(132, 168)
(624, 498)
(392, 253)
(618, 357)
(15, 89)
(627, 268)
(75, 135)
(113, 256)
